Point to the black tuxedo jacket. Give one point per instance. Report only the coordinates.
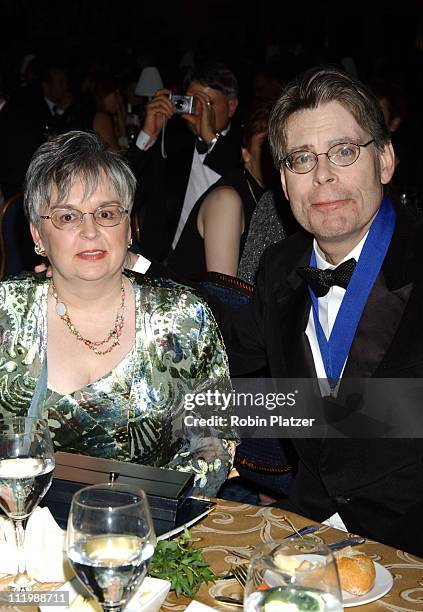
(163, 182)
(25, 123)
(376, 485)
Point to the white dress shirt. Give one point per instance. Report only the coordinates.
(144, 141)
(53, 108)
(329, 306)
(201, 177)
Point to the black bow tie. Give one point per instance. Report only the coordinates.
(322, 280)
(201, 146)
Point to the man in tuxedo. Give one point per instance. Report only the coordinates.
(31, 116)
(180, 155)
(342, 300)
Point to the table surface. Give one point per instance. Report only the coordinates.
(230, 532)
(233, 528)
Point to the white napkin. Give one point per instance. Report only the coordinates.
(336, 522)
(44, 556)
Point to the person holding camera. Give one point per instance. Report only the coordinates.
(186, 144)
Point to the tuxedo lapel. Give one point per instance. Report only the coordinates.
(376, 329)
(294, 312)
(293, 305)
(385, 306)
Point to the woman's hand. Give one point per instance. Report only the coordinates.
(42, 267)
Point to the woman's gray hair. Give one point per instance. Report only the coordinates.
(320, 86)
(66, 158)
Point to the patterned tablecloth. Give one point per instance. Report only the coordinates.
(229, 534)
(236, 528)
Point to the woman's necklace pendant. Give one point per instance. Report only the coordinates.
(114, 334)
(60, 309)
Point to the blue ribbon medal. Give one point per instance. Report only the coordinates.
(335, 350)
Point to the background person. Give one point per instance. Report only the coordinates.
(176, 168)
(30, 116)
(103, 111)
(214, 235)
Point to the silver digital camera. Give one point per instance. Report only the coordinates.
(183, 104)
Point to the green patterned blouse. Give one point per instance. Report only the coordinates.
(136, 412)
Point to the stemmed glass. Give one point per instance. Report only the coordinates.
(110, 541)
(295, 573)
(26, 472)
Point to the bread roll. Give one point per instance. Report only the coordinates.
(356, 571)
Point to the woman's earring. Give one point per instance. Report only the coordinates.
(129, 243)
(39, 250)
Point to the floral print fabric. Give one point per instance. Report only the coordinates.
(136, 412)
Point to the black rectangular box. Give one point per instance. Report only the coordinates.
(166, 490)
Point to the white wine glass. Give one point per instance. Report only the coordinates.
(26, 472)
(110, 541)
(296, 574)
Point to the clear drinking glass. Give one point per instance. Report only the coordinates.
(110, 541)
(26, 471)
(293, 574)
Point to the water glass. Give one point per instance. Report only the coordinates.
(26, 471)
(296, 574)
(110, 541)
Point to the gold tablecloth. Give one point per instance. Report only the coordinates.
(233, 528)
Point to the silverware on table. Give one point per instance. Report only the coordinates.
(354, 541)
(231, 601)
(304, 531)
(240, 573)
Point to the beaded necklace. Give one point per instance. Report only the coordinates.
(114, 333)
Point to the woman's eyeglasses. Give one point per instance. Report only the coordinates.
(71, 218)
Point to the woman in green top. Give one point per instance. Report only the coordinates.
(120, 352)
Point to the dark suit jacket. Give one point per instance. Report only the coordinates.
(163, 182)
(25, 123)
(376, 485)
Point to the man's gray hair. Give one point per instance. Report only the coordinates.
(214, 75)
(66, 158)
(320, 86)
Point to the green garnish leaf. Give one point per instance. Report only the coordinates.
(181, 563)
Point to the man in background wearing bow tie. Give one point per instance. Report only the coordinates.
(178, 156)
(342, 300)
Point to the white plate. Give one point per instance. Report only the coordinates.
(383, 584)
(149, 597)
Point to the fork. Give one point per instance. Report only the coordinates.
(240, 573)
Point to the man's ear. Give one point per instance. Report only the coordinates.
(283, 182)
(387, 163)
(232, 104)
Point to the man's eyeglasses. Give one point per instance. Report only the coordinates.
(71, 218)
(342, 154)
